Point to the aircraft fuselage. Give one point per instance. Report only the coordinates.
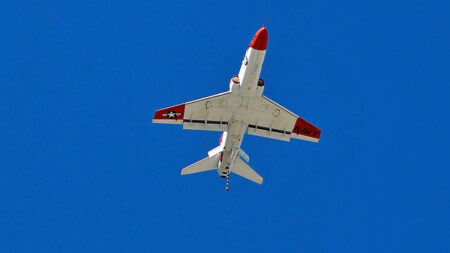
(246, 87)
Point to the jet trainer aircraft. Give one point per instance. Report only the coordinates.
(242, 109)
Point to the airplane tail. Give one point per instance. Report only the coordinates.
(208, 163)
(244, 170)
(212, 162)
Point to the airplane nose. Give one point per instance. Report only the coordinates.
(259, 42)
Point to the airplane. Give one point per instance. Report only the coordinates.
(242, 109)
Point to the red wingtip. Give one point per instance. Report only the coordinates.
(305, 128)
(259, 42)
(173, 113)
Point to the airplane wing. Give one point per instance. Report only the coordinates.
(208, 113)
(272, 120)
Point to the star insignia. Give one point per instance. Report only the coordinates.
(171, 114)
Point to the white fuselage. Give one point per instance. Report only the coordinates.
(245, 92)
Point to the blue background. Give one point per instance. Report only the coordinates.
(84, 170)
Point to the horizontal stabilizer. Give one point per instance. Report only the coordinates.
(208, 163)
(242, 169)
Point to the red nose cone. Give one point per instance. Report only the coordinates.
(259, 42)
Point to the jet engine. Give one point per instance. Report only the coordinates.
(234, 84)
(260, 87)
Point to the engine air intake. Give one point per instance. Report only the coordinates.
(260, 82)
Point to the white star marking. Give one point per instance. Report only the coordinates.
(171, 114)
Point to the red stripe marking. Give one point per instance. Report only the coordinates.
(220, 141)
(305, 128)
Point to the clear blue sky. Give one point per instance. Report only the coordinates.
(84, 170)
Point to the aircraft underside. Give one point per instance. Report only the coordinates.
(242, 109)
